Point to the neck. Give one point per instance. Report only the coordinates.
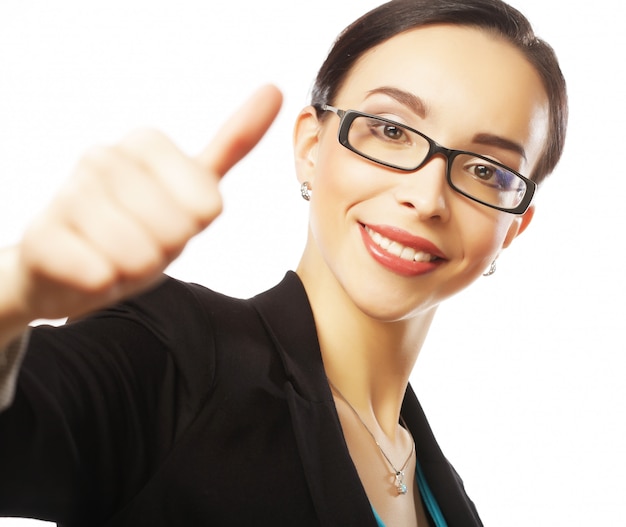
(369, 360)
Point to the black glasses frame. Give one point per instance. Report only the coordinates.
(348, 116)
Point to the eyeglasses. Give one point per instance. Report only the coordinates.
(398, 146)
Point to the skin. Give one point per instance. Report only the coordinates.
(372, 320)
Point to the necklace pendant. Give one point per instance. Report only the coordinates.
(400, 485)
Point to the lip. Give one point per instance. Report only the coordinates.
(395, 263)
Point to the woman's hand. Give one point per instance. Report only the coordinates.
(124, 215)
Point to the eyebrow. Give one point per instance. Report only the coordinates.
(411, 101)
(500, 142)
(420, 108)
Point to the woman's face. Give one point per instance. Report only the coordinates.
(466, 90)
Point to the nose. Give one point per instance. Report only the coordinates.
(426, 190)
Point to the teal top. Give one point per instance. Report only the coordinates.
(432, 508)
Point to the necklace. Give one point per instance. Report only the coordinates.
(398, 474)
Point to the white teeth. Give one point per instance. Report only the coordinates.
(397, 249)
(424, 257)
(374, 236)
(407, 254)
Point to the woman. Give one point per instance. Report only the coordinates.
(180, 406)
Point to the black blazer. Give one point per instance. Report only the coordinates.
(186, 407)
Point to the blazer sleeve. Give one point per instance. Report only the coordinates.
(98, 404)
(10, 361)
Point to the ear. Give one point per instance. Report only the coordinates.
(305, 143)
(518, 226)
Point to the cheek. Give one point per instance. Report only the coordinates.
(331, 196)
(482, 234)
(334, 173)
(338, 184)
(345, 187)
(346, 179)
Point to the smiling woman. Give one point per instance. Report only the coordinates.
(161, 402)
(458, 104)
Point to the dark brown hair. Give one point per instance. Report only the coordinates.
(495, 16)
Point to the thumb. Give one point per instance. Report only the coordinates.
(242, 131)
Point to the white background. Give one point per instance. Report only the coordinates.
(522, 375)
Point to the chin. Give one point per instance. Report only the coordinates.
(386, 308)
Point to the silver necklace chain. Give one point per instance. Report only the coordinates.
(398, 474)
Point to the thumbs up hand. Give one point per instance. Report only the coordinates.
(124, 215)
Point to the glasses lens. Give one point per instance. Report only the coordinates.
(387, 143)
(487, 181)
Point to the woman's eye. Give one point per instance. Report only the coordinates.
(483, 172)
(493, 176)
(388, 132)
(393, 132)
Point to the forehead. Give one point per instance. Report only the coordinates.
(469, 80)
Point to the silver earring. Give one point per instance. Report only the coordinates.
(305, 191)
(491, 270)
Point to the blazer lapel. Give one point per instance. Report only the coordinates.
(444, 482)
(335, 487)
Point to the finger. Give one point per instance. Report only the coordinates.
(68, 277)
(180, 176)
(57, 254)
(120, 240)
(242, 131)
(150, 204)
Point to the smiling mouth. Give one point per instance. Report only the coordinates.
(397, 249)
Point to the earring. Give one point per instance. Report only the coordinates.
(305, 191)
(491, 270)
